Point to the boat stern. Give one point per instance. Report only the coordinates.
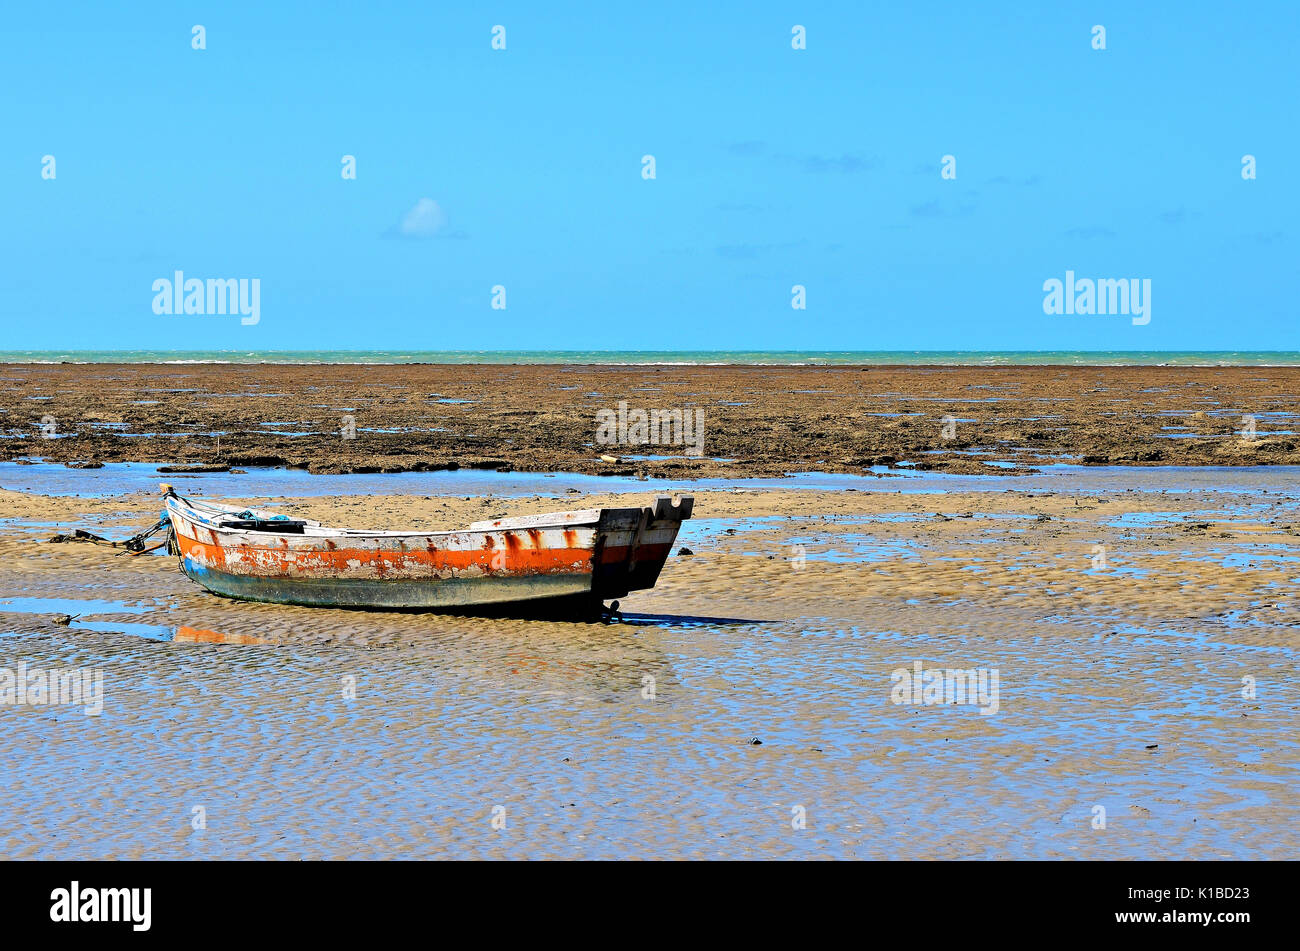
(633, 544)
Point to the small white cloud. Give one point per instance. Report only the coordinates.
(423, 221)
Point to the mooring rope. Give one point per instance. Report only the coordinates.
(135, 545)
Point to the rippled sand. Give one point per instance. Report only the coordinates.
(784, 625)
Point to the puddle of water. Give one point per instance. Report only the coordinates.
(1149, 519)
(125, 478)
(67, 606)
(153, 632)
(840, 547)
(1147, 637)
(849, 551)
(82, 608)
(11, 526)
(1250, 556)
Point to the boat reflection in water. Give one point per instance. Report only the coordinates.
(194, 635)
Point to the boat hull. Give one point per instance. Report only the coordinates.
(392, 595)
(595, 554)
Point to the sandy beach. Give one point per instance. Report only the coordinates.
(1155, 683)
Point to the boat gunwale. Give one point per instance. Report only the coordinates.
(579, 518)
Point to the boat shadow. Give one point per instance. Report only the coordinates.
(678, 620)
(590, 612)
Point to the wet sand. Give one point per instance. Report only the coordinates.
(1121, 687)
(757, 420)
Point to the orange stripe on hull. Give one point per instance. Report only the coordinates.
(342, 562)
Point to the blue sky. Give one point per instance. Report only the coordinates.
(774, 167)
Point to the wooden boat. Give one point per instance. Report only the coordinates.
(591, 554)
